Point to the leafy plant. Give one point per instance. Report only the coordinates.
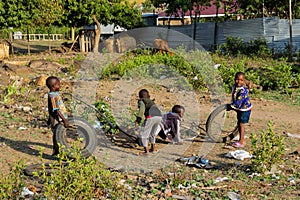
(236, 46)
(13, 89)
(106, 114)
(233, 46)
(81, 178)
(61, 61)
(12, 184)
(178, 62)
(267, 149)
(79, 57)
(269, 74)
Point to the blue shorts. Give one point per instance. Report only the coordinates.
(243, 116)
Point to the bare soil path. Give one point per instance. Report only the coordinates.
(23, 131)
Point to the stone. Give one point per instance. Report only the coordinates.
(41, 80)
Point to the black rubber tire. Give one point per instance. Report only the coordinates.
(224, 129)
(29, 170)
(84, 130)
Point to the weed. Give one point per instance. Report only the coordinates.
(236, 46)
(12, 184)
(144, 60)
(82, 178)
(10, 90)
(71, 69)
(61, 61)
(267, 149)
(291, 97)
(270, 75)
(79, 57)
(104, 108)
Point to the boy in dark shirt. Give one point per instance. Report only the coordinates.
(147, 107)
(56, 109)
(152, 115)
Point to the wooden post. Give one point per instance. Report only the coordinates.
(28, 42)
(216, 29)
(11, 43)
(73, 34)
(81, 42)
(291, 31)
(87, 42)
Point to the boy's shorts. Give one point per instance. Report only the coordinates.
(243, 116)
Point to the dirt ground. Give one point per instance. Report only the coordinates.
(23, 120)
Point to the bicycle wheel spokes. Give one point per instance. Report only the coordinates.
(222, 124)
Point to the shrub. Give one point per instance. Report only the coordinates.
(12, 184)
(267, 149)
(178, 62)
(82, 178)
(270, 75)
(105, 116)
(236, 46)
(66, 178)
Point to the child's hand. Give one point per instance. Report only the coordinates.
(138, 121)
(66, 124)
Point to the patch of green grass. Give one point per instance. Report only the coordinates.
(61, 61)
(291, 98)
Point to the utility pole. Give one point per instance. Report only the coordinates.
(291, 30)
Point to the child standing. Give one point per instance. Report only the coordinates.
(152, 117)
(240, 102)
(56, 109)
(146, 106)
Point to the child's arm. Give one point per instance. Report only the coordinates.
(65, 121)
(140, 113)
(177, 136)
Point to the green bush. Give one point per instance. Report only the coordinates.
(269, 74)
(105, 116)
(267, 149)
(82, 178)
(66, 178)
(12, 184)
(236, 46)
(276, 77)
(142, 58)
(233, 47)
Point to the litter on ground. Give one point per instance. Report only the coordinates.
(238, 154)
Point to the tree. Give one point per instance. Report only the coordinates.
(50, 13)
(254, 8)
(19, 13)
(147, 6)
(180, 8)
(86, 12)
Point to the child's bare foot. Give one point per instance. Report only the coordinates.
(144, 153)
(179, 143)
(153, 151)
(238, 145)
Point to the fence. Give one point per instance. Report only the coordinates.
(273, 29)
(35, 37)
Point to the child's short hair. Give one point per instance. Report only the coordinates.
(50, 81)
(143, 93)
(239, 74)
(177, 109)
